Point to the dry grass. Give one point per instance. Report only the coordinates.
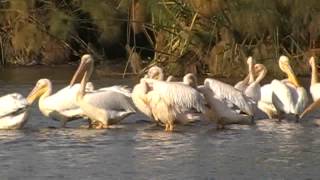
(190, 36)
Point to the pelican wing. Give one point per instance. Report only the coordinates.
(139, 97)
(228, 93)
(65, 98)
(180, 96)
(220, 108)
(109, 100)
(302, 100)
(12, 103)
(281, 96)
(120, 89)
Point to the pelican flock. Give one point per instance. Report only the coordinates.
(166, 102)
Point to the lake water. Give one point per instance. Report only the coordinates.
(267, 150)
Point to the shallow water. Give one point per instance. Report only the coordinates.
(267, 150)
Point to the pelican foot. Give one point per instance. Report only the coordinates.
(280, 118)
(168, 128)
(171, 127)
(98, 125)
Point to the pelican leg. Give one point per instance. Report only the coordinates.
(297, 118)
(89, 123)
(220, 123)
(269, 115)
(100, 125)
(63, 123)
(166, 127)
(252, 120)
(171, 127)
(280, 115)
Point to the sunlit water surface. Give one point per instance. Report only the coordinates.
(138, 150)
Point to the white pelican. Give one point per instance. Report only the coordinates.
(251, 86)
(219, 95)
(242, 85)
(315, 85)
(253, 90)
(105, 106)
(155, 72)
(13, 111)
(314, 88)
(60, 105)
(166, 102)
(285, 96)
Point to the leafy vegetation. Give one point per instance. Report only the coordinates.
(196, 36)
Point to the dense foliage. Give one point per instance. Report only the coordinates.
(186, 35)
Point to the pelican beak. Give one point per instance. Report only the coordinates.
(35, 93)
(291, 76)
(310, 108)
(79, 73)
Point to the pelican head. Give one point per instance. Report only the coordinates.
(43, 86)
(285, 66)
(190, 79)
(86, 66)
(155, 72)
(259, 68)
(312, 61)
(250, 60)
(284, 63)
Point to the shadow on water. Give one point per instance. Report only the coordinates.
(267, 150)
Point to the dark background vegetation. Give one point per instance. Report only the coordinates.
(200, 36)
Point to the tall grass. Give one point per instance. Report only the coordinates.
(199, 36)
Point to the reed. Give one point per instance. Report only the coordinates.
(199, 36)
